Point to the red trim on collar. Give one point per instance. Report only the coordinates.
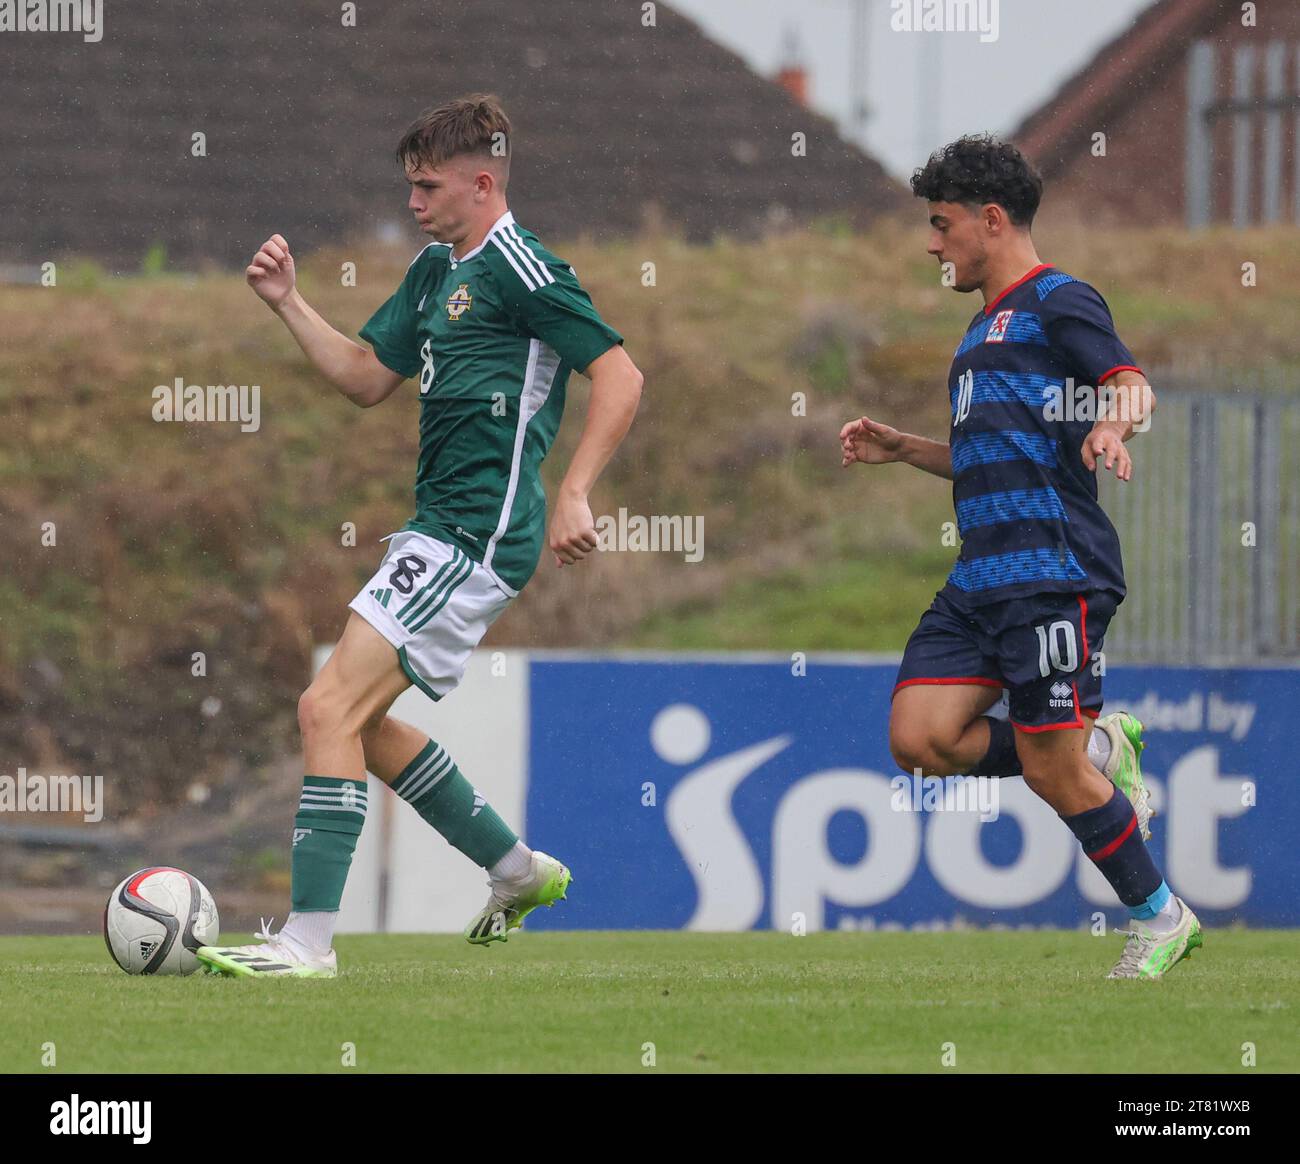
(1007, 290)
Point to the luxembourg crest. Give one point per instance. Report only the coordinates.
(459, 302)
(998, 329)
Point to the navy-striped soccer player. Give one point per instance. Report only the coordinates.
(1043, 395)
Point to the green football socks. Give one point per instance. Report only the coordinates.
(325, 830)
(435, 788)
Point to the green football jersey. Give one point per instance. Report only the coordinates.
(492, 336)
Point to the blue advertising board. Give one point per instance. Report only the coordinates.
(754, 795)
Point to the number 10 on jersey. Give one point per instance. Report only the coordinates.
(965, 390)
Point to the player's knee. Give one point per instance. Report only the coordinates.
(310, 712)
(911, 749)
(1037, 782)
(1043, 775)
(918, 746)
(320, 711)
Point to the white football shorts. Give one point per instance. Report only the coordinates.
(434, 603)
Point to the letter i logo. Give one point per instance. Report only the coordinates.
(728, 881)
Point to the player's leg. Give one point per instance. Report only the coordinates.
(422, 772)
(1044, 665)
(390, 744)
(1103, 821)
(358, 683)
(940, 729)
(434, 605)
(1115, 743)
(944, 730)
(946, 682)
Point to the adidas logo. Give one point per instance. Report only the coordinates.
(381, 596)
(1062, 695)
(298, 835)
(479, 803)
(146, 948)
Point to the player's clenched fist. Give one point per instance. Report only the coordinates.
(573, 532)
(271, 272)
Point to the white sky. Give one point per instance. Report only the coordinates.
(979, 85)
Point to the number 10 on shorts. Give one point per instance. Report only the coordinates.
(1057, 643)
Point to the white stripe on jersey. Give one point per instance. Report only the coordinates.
(526, 264)
(513, 237)
(543, 363)
(527, 281)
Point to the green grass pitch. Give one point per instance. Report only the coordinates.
(558, 1002)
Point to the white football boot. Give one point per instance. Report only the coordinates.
(1151, 955)
(1124, 767)
(274, 957)
(511, 901)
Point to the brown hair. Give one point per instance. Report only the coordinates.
(468, 125)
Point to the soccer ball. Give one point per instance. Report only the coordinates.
(155, 920)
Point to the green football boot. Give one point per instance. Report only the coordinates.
(1124, 768)
(1149, 955)
(512, 901)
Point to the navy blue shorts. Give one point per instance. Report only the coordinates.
(1043, 650)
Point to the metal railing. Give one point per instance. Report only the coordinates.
(1210, 530)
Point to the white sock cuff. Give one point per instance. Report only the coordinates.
(314, 930)
(1099, 748)
(514, 865)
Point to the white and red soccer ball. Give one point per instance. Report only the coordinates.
(155, 920)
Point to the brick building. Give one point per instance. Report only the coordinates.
(1199, 102)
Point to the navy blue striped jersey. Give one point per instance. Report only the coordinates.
(1027, 507)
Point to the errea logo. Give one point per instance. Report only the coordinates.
(1062, 695)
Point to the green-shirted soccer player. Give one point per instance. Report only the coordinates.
(492, 323)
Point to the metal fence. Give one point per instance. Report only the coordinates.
(1210, 529)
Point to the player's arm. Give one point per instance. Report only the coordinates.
(871, 443)
(615, 392)
(1128, 402)
(1080, 328)
(547, 301)
(355, 371)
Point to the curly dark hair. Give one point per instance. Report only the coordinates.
(977, 169)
